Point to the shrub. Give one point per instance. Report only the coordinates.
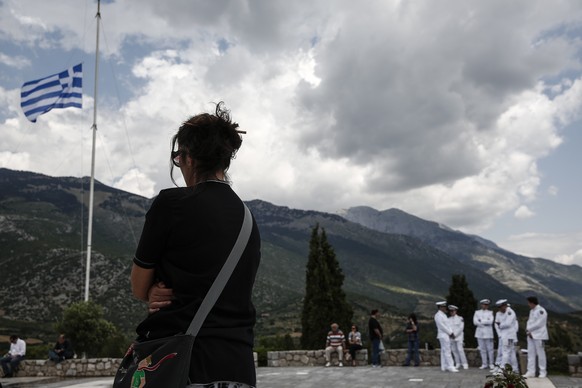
(557, 359)
(89, 332)
(506, 378)
(38, 352)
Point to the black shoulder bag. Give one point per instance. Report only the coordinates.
(165, 362)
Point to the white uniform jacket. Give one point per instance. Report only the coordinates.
(537, 323)
(483, 321)
(457, 324)
(442, 323)
(507, 324)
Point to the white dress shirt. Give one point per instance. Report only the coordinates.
(18, 348)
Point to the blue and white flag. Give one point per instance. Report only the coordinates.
(61, 90)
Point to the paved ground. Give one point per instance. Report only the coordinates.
(387, 377)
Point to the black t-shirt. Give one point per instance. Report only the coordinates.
(412, 335)
(374, 324)
(187, 236)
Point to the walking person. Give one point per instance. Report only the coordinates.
(537, 333)
(457, 324)
(413, 340)
(483, 320)
(444, 335)
(376, 336)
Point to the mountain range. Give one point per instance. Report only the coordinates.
(390, 258)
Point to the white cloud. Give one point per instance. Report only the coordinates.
(14, 61)
(565, 248)
(553, 190)
(135, 181)
(15, 160)
(523, 212)
(391, 104)
(575, 258)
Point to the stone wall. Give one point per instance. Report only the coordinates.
(396, 357)
(310, 358)
(391, 357)
(77, 367)
(575, 365)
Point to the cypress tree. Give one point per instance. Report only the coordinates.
(325, 302)
(461, 296)
(342, 312)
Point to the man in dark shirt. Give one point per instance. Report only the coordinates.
(376, 336)
(62, 350)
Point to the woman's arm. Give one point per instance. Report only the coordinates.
(141, 281)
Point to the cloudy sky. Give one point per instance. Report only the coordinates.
(463, 112)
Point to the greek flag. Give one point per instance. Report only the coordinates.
(61, 90)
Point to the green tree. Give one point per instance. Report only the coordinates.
(461, 296)
(88, 331)
(559, 338)
(342, 312)
(325, 301)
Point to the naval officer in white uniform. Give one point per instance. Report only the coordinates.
(457, 324)
(483, 321)
(506, 322)
(537, 333)
(444, 335)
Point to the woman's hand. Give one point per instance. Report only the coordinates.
(158, 297)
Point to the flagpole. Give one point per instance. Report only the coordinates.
(92, 185)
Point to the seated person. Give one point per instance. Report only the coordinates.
(336, 342)
(355, 343)
(12, 359)
(62, 350)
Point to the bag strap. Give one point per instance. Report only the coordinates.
(224, 274)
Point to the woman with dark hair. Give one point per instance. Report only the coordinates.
(187, 237)
(413, 340)
(354, 343)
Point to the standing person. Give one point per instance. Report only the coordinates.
(376, 336)
(354, 343)
(444, 335)
(499, 355)
(62, 350)
(483, 320)
(506, 321)
(14, 356)
(413, 340)
(457, 324)
(188, 234)
(537, 333)
(335, 342)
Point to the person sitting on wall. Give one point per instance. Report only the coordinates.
(355, 343)
(62, 350)
(12, 359)
(336, 342)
